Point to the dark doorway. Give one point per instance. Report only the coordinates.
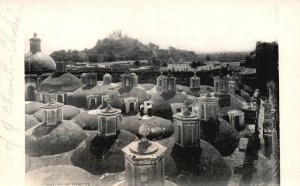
(237, 122)
(131, 107)
(93, 103)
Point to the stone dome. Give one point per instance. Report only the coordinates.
(49, 140)
(107, 76)
(79, 97)
(162, 104)
(30, 121)
(86, 120)
(159, 128)
(39, 62)
(99, 154)
(35, 60)
(56, 82)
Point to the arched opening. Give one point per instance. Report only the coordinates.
(30, 93)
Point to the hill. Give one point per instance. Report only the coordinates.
(121, 47)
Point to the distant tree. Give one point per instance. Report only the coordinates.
(164, 64)
(58, 55)
(194, 65)
(207, 57)
(100, 58)
(136, 63)
(200, 63)
(153, 46)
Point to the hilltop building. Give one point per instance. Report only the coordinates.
(37, 67)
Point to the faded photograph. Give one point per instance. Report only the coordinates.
(151, 93)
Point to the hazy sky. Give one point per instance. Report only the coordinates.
(201, 26)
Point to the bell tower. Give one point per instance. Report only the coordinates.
(35, 44)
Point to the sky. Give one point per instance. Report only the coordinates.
(200, 26)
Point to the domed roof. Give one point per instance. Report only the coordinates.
(99, 154)
(49, 140)
(39, 62)
(56, 82)
(79, 97)
(35, 60)
(162, 104)
(160, 128)
(106, 75)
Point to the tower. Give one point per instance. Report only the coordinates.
(232, 86)
(129, 80)
(144, 161)
(35, 44)
(90, 79)
(167, 84)
(52, 113)
(159, 81)
(221, 84)
(207, 107)
(187, 128)
(195, 82)
(109, 119)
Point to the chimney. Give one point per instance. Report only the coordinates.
(35, 44)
